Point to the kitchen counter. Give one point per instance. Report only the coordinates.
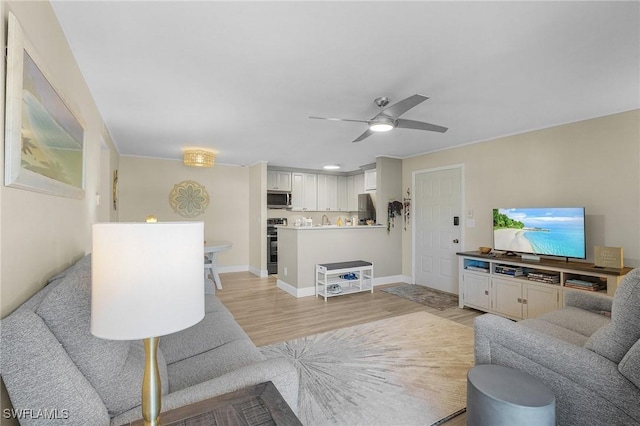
(325, 227)
(300, 249)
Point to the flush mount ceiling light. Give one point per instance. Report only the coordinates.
(331, 166)
(199, 158)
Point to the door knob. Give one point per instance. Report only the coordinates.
(456, 241)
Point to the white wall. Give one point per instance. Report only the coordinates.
(593, 163)
(42, 234)
(145, 184)
(258, 219)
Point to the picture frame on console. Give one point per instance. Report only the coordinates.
(44, 138)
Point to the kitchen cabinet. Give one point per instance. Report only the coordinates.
(355, 186)
(327, 193)
(475, 290)
(278, 180)
(518, 299)
(343, 200)
(304, 190)
(370, 180)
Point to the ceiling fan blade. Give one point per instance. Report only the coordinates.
(364, 135)
(399, 108)
(338, 119)
(419, 125)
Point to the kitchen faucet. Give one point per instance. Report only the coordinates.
(325, 220)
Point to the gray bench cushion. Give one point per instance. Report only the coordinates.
(345, 265)
(615, 340)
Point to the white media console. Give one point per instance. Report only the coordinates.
(518, 289)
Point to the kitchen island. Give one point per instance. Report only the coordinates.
(301, 248)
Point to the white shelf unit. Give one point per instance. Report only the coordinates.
(491, 284)
(328, 274)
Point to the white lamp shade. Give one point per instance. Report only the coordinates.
(147, 279)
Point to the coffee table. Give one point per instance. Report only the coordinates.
(256, 405)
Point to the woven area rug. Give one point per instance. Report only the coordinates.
(406, 370)
(424, 295)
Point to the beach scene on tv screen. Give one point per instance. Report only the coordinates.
(544, 231)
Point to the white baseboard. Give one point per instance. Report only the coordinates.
(311, 291)
(262, 273)
(232, 268)
(294, 291)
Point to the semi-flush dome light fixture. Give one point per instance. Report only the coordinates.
(381, 124)
(199, 158)
(331, 166)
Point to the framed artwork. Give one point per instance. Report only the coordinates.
(44, 139)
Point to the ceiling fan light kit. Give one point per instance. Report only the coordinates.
(199, 158)
(389, 117)
(381, 124)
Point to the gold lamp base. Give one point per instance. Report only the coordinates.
(151, 387)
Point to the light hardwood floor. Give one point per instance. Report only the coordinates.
(270, 315)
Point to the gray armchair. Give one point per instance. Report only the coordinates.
(588, 353)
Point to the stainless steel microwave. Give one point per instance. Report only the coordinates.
(278, 200)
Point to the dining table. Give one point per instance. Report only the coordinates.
(211, 250)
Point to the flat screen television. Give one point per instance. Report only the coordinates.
(558, 231)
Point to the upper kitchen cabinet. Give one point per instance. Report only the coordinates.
(355, 186)
(333, 193)
(327, 193)
(370, 180)
(304, 192)
(278, 180)
(343, 193)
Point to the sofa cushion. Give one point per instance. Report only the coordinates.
(215, 329)
(555, 330)
(39, 374)
(213, 304)
(614, 340)
(212, 364)
(578, 320)
(115, 368)
(629, 367)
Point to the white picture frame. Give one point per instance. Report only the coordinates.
(44, 139)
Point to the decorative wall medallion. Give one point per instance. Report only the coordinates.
(189, 198)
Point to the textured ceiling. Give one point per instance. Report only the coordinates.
(242, 78)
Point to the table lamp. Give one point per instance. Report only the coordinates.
(146, 283)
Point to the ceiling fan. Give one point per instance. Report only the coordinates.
(388, 118)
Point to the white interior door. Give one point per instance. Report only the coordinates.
(438, 202)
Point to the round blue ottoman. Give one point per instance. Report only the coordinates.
(502, 396)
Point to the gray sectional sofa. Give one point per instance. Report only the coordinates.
(50, 360)
(587, 353)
